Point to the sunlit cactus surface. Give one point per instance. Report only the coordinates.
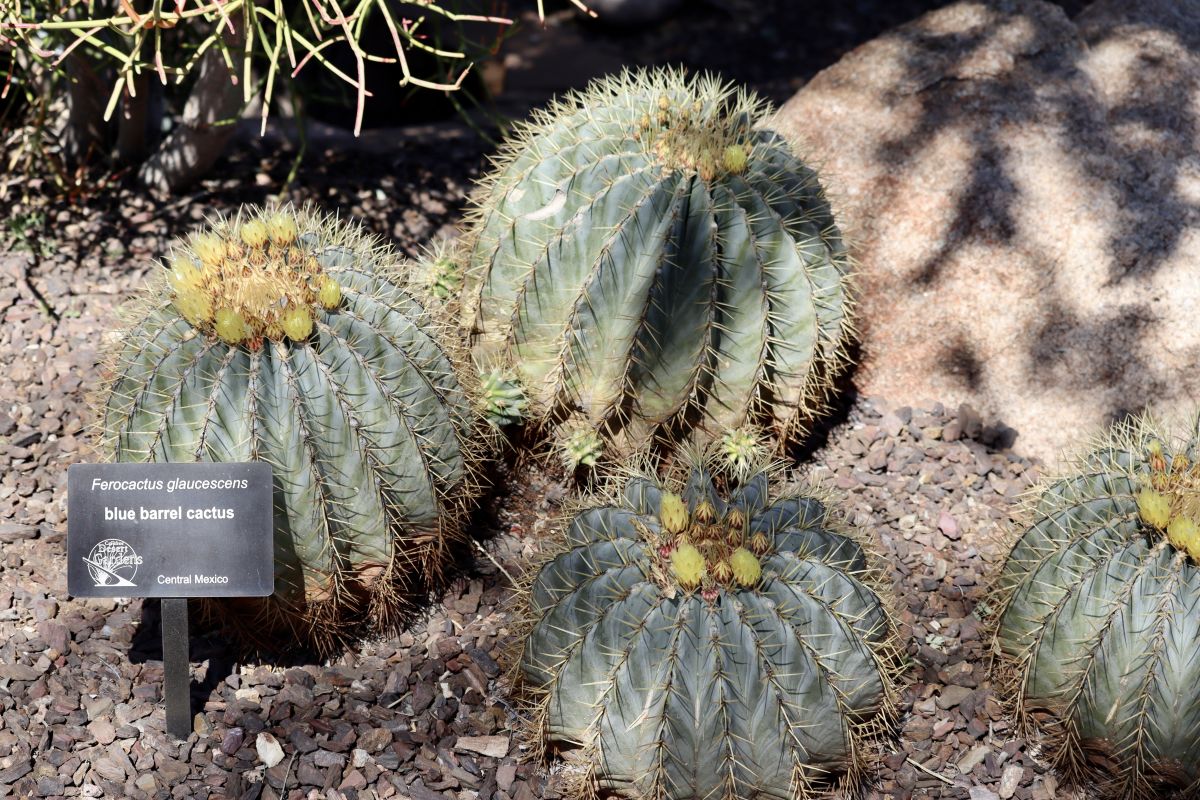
(292, 338)
(648, 257)
(1102, 614)
(705, 636)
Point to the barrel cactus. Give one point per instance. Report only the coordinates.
(647, 257)
(698, 646)
(294, 339)
(1100, 626)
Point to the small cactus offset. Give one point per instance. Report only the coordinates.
(649, 258)
(702, 636)
(1102, 614)
(294, 339)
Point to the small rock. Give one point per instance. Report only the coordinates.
(1010, 780)
(983, 793)
(324, 758)
(353, 780)
(494, 746)
(948, 525)
(951, 696)
(505, 775)
(359, 758)
(231, 742)
(19, 672)
(973, 758)
(269, 751)
(109, 770)
(103, 730)
(146, 782)
(18, 771)
(375, 740)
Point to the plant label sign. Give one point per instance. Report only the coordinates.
(169, 530)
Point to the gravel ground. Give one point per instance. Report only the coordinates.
(426, 714)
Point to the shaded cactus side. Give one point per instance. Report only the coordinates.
(698, 646)
(648, 258)
(294, 339)
(1100, 624)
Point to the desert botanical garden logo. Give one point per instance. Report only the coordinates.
(112, 562)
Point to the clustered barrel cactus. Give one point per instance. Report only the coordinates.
(648, 258)
(294, 339)
(700, 647)
(1102, 618)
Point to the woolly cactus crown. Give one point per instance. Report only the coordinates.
(648, 258)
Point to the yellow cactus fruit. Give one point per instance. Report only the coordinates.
(736, 158)
(231, 326)
(687, 565)
(705, 512)
(193, 306)
(746, 569)
(282, 229)
(1154, 508)
(672, 512)
(209, 248)
(297, 323)
(183, 275)
(254, 234)
(1184, 533)
(329, 294)
(722, 572)
(759, 543)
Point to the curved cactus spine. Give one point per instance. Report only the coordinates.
(648, 257)
(687, 665)
(293, 339)
(1100, 623)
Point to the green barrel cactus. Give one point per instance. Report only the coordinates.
(697, 646)
(647, 257)
(1102, 615)
(291, 338)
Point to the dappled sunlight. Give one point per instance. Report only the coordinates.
(1021, 187)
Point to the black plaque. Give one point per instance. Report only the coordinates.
(169, 530)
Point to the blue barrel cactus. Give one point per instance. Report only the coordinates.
(696, 642)
(291, 338)
(1102, 614)
(647, 257)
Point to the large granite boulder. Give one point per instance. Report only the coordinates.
(1024, 194)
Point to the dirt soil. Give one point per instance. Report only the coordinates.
(426, 714)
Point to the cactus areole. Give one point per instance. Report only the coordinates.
(698, 646)
(290, 338)
(1102, 614)
(647, 256)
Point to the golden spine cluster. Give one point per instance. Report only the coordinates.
(703, 552)
(695, 138)
(251, 280)
(1170, 501)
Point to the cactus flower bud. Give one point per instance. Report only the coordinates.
(687, 564)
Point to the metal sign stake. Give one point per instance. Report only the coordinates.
(177, 679)
(171, 531)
